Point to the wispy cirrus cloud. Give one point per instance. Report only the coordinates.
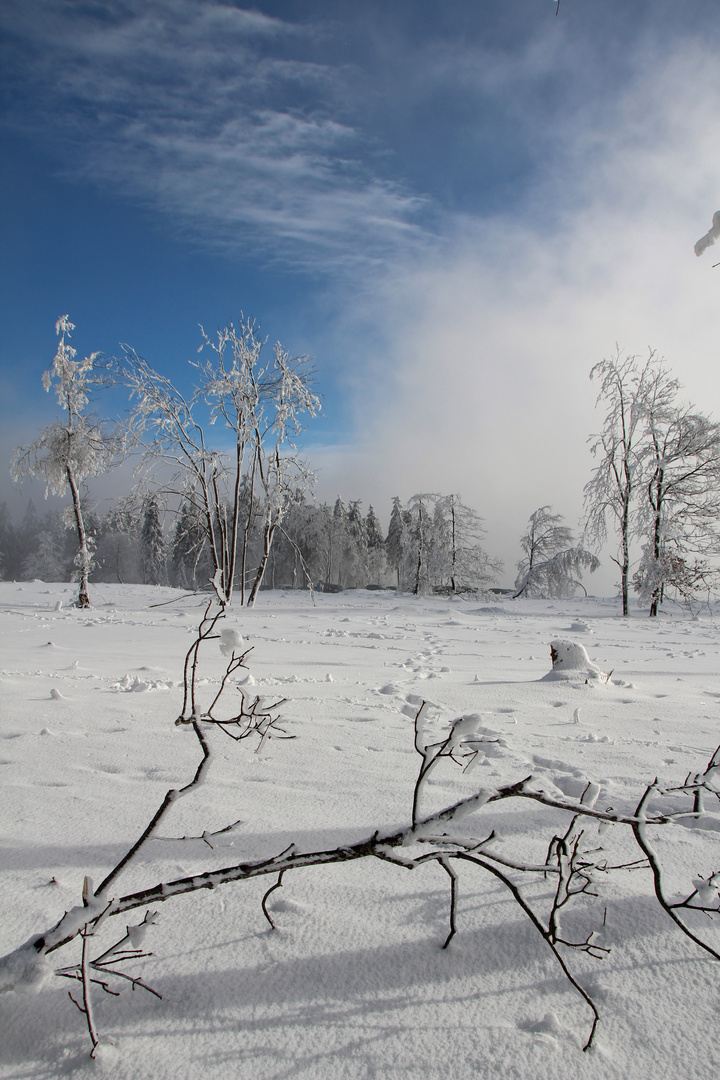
(219, 118)
(335, 140)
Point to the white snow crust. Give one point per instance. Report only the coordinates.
(353, 983)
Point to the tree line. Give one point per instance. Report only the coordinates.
(432, 544)
(242, 513)
(242, 506)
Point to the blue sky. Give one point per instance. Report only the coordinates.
(455, 207)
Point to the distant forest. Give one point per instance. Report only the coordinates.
(433, 543)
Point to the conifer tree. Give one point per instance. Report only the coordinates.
(8, 545)
(153, 548)
(394, 540)
(189, 549)
(51, 558)
(375, 548)
(357, 547)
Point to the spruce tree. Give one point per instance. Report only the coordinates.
(9, 547)
(394, 540)
(153, 552)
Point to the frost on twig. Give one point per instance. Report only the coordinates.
(710, 236)
(573, 861)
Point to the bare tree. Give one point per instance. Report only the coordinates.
(69, 452)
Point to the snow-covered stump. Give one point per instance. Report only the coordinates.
(571, 661)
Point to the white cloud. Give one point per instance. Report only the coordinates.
(482, 384)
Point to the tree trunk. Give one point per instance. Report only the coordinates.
(83, 600)
(267, 545)
(657, 592)
(246, 532)
(625, 568)
(454, 553)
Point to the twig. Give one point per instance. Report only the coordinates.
(643, 843)
(445, 863)
(517, 896)
(266, 913)
(87, 996)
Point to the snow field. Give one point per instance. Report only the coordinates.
(353, 983)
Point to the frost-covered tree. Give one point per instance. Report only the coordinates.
(117, 552)
(190, 562)
(299, 554)
(417, 544)
(262, 404)
(376, 561)
(357, 546)
(679, 516)
(543, 538)
(348, 546)
(659, 478)
(394, 539)
(28, 538)
(458, 559)
(560, 575)
(338, 543)
(440, 545)
(625, 385)
(70, 451)
(9, 547)
(553, 562)
(51, 557)
(153, 547)
(283, 477)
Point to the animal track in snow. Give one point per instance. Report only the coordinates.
(556, 763)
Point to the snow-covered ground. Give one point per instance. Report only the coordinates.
(354, 982)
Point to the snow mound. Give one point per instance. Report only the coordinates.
(136, 685)
(571, 661)
(25, 970)
(549, 1025)
(230, 642)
